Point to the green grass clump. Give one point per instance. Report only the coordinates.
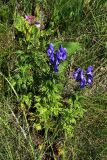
(15, 140)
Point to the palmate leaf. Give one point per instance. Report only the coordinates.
(71, 47)
(40, 60)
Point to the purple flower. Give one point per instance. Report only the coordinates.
(38, 25)
(56, 68)
(50, 52)
(81, 79)
(61, 54)
(89, 69)
(55, 59)
(82, 82)
(56, 65)
(77, 73)
(51, 46)
(50, 49)
(79, 76)
(64, 52)
(26, 17)
(30, 19)
(52, 58)
(89, 79)
(89, 75)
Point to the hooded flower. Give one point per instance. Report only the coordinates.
(77, 74)
(89, 80)
(89, 70)
(82, 82)
(89, 75)
(52, 59)
(80, 77)
(50, 49)
(50, 53)
(56, 68)
(61, 54)
(55, 59)
(56, 65)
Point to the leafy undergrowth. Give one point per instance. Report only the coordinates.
(45, 115)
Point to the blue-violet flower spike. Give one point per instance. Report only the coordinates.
(50, 49)
(89, 79)
(56, 68)
(89, 75)
(52, 58)
(77, 73)
(89, 70)
(82, 83)
(61, 53)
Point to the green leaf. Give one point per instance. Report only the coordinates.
(37, 126)
(62, 67)
(27, 100)
(73, 120)
(19, 23)
(71, 47)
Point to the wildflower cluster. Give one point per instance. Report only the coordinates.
(80, 77)
(55, 59)
(31, 20)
